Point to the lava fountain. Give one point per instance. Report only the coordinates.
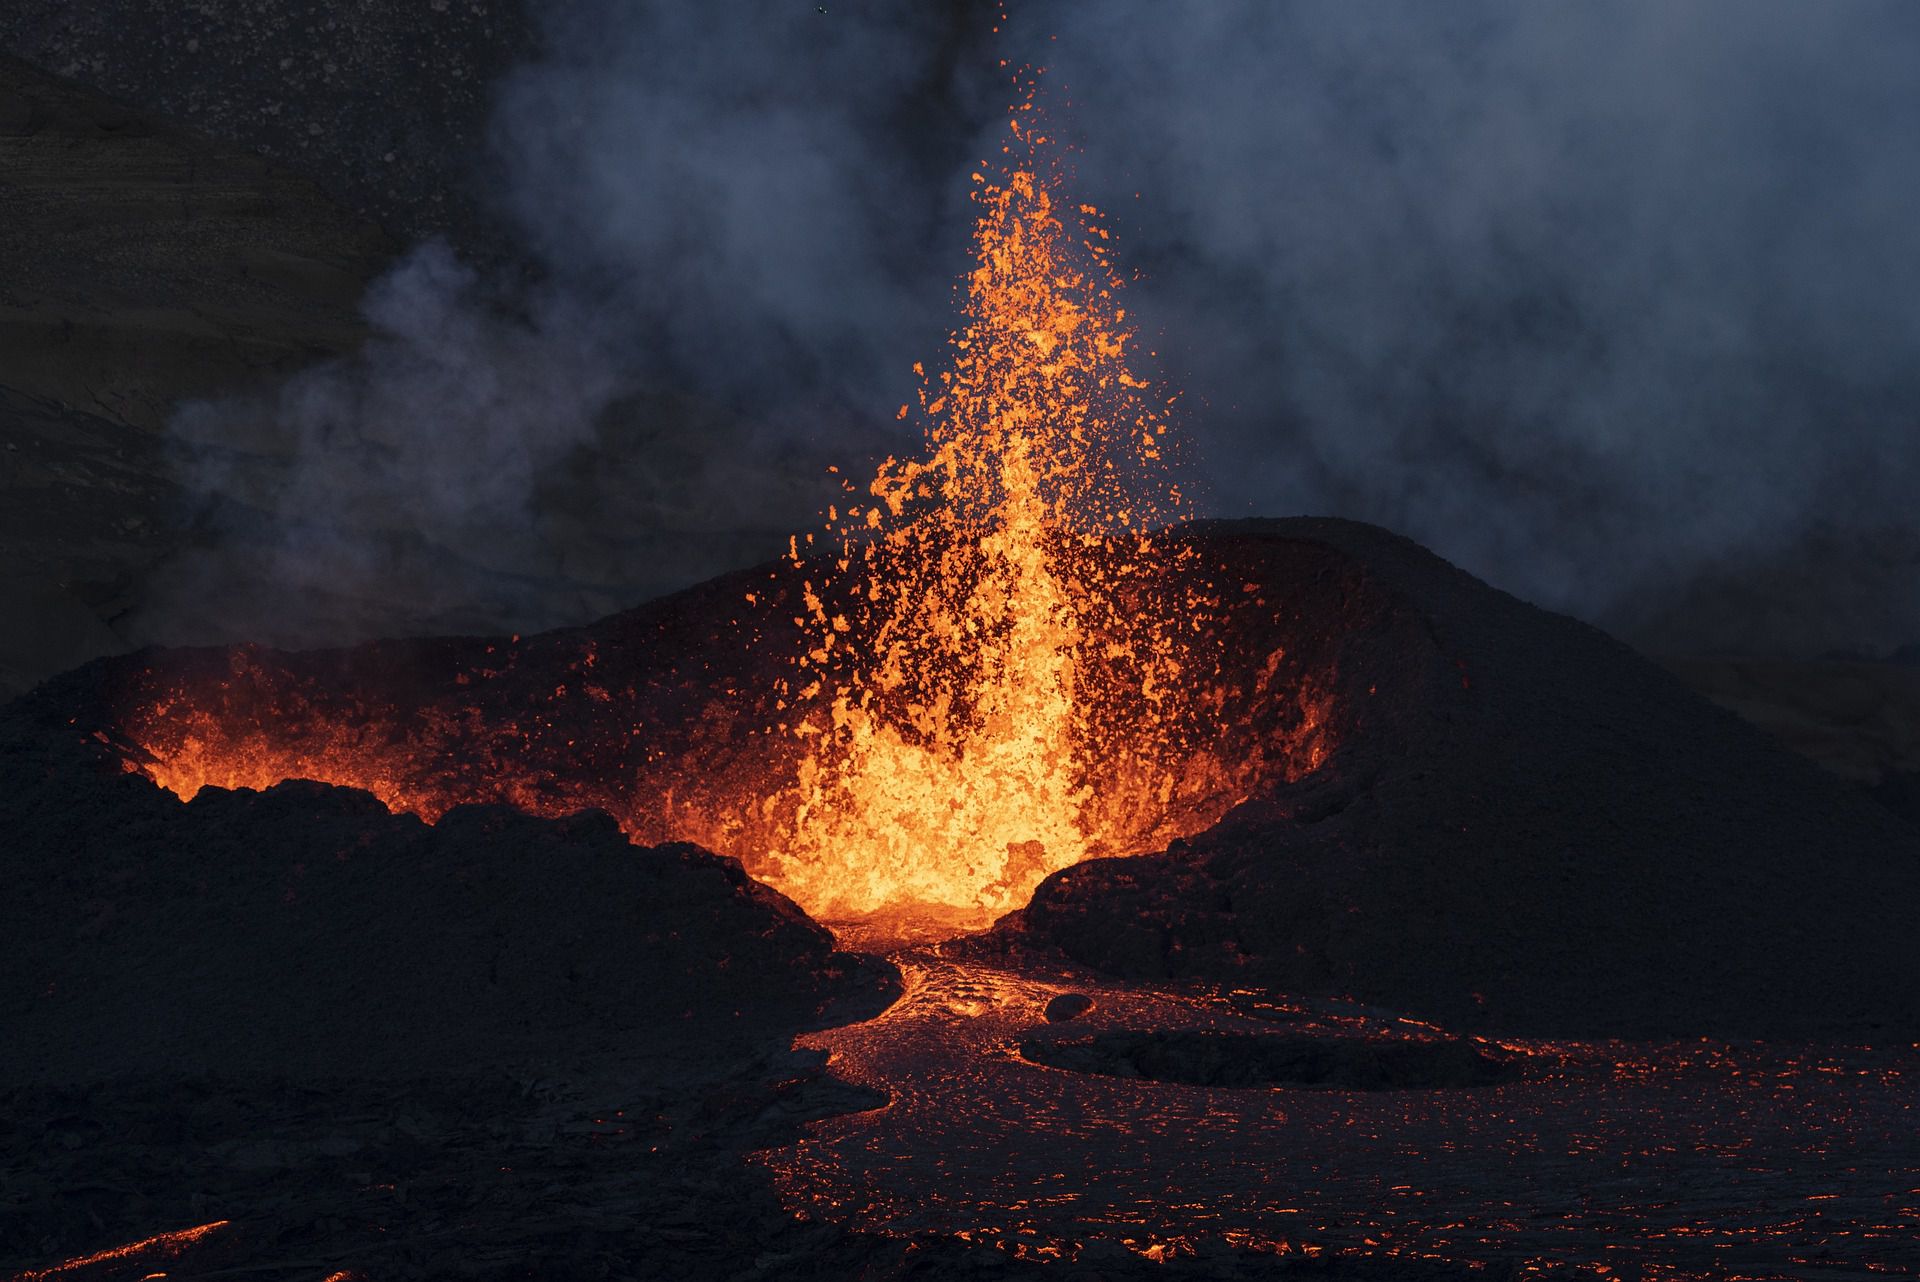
(997, 660)
(955, 765)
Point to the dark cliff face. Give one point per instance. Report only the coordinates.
(385, 106)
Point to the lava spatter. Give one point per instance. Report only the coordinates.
(1001, 676)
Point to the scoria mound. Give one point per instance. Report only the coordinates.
(1520, 826)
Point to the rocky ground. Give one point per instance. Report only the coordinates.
(546, 1180)
(1203, 1057)
(1694, 1159)
(1489, 846)
(1521, 825)
(288, 80)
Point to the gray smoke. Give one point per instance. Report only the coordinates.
(1612, 305)
(397, 484)
(734, 240)
(772, 190)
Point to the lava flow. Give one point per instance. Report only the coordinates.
(1000, 660)
(1603, 1159)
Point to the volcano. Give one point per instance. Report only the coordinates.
(1521, 825)
(1479, 813)
(1426, 805)
(1018, 874)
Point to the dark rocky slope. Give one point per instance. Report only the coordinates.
(384, 105)
(1522, 826)
(306, 932)
(146, 264)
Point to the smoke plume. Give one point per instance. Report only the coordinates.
(1613, 306)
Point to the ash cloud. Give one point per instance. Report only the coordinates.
(399, 482)
(734, 229)
(778, 193)
(1612, 306)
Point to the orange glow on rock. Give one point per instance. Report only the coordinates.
(165, 1244)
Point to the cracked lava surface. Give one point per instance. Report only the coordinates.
(1650, 1160)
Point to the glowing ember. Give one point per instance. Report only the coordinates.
(1598, 1159)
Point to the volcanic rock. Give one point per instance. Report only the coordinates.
(1520, 825)
(1900, 793)
(1068, 1006)
(306, 931)
(1455, 805)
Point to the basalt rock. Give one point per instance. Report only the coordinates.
(307, 932)
(1520, 825)
(1068, 1006)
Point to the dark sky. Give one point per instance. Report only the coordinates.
(1614, 305)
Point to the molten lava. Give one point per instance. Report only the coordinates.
(957, 764)
(1003, 657)
(160, 1244)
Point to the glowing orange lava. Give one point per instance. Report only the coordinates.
(1004, 656)
(164, 1244)
(954, 768)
